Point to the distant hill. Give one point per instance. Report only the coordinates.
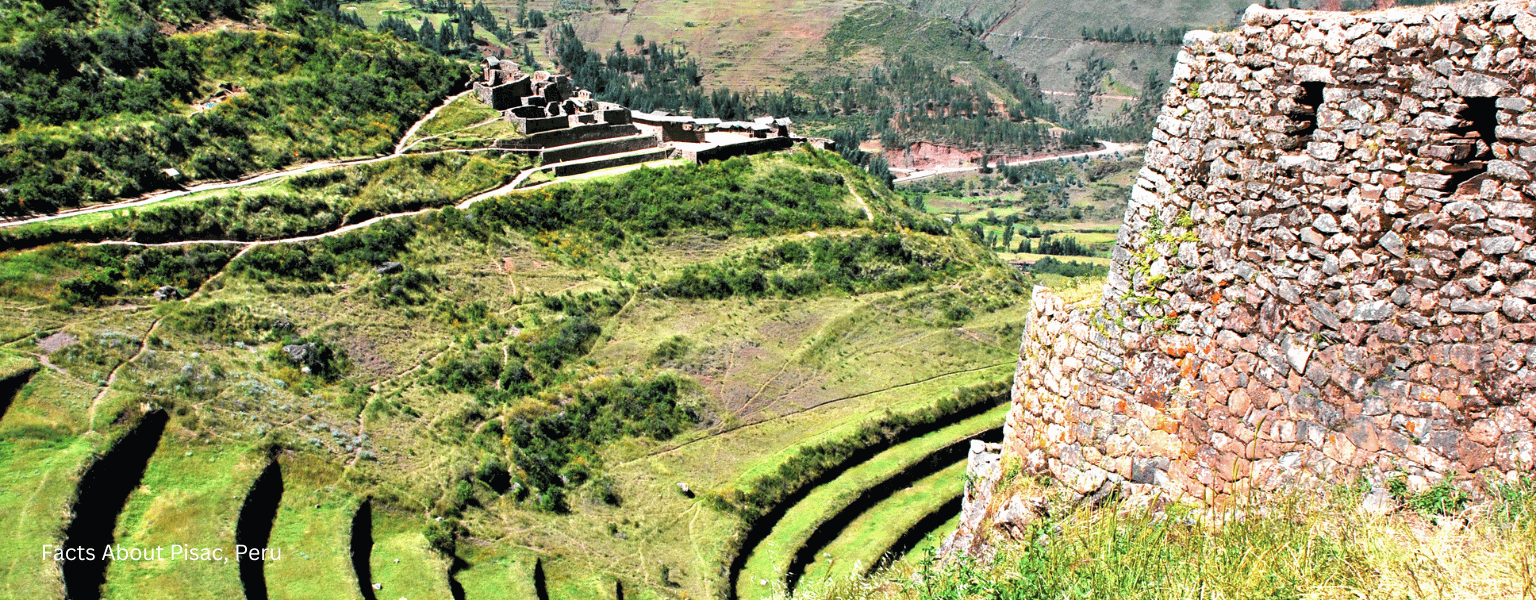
(1045, 37)
(765, 45)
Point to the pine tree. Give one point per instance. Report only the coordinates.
(428, 35)
(445, 37)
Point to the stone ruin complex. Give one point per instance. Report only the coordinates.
(542, 102)
(551, 112)
(1325, 272)
(676, 128)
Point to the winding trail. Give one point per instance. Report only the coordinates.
(90, 414)
(1109, 96)
(401, 147)
(1109, 148)
(500, 191)
(862, 204)
(808, 408)
(163, 195)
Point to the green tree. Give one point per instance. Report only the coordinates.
(428, 34)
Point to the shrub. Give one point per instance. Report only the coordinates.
(313, 354)
(89, 288)
(1441, 499)
(227, 321)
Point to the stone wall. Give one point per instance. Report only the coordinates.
(597, 148)
(724, 151)
(1324, 271)
(573, 135)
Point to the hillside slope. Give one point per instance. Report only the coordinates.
(1045, 38)
(99, 100)
(507, 393)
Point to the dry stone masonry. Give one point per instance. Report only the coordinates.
(550, 111)
(542, 102)
(1324, 271)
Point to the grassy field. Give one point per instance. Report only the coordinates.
(767, 565)
(38, 470)
(1095, 191)
(862, 545)
(308, 203)
(1312, 547)
(465, 122)
(190, 497)
(763, 374)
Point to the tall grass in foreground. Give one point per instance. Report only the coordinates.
(1291, 549)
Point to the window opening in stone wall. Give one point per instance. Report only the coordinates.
(1468, 146)
(1303, 114)
(1483, 116)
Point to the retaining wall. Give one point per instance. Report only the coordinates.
(567, 169)
(598, 148)
(572, 135)
(724, 151)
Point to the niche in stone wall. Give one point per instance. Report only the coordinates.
(1466, 147)
(1301, 110)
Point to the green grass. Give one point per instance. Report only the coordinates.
(764, 372)
(772, 556)
(1294, 548)
(292, 111)
(191, 496)
(39, 478)
(12, 364)
(496, 570)
(861, 546)
(302, 204)
(52, 404)
(454, 126)
(403, 561)
(311, 531)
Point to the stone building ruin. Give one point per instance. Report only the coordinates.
(1324, 271)
(551, 112)
(542, 101)
(678, 128)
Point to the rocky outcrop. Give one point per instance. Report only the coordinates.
(1324, 270)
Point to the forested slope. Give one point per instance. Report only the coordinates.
(98, 99)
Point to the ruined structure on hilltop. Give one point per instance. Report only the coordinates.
(1324, 271)
(551, 111)
(542, 102)
(703, 139)
(677, 128)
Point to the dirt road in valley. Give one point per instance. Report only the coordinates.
(1108, 149)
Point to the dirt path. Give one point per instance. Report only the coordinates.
(809, 408)
(501, 191)
(1109, 96)
(522, 177)
(255, 179)
(90, 414)
(862, 204)
(400, 147)
(1109, 148)
(164, 195)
